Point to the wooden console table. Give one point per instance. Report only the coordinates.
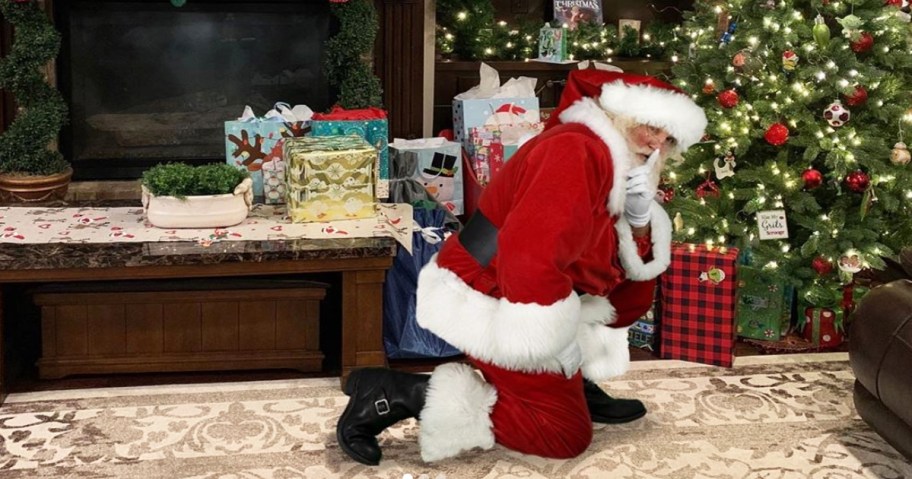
(362, 263)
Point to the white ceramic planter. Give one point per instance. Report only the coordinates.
(209, 211)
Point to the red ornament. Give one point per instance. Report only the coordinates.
(857, 97)
(822, 266)
(666, 193)
(863, 43)
(777, 134)
(893, 3)
(708, 188)
(857, 181)
(812, 178)
(727, 98)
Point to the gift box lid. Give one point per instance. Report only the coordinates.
(322, 144)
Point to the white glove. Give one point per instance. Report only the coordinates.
(640, 192)
(570, 359)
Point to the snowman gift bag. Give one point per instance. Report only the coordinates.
(489, 103)
(438, 169)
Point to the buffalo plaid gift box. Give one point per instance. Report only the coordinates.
(697, 300)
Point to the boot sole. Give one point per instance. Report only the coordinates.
(617, 420)
(351, 386)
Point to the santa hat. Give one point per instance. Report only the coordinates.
(645, 99)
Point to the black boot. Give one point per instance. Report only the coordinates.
(378, 398)
(608, 410)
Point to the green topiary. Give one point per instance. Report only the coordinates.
(181, 180)
(42, 111)
(348, 61)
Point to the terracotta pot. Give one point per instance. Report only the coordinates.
(31, 188)
(205, 211)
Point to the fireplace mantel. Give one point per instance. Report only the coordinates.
(401, 71)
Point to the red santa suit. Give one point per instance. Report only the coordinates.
(565, 268)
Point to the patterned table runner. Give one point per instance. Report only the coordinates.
(127, 225)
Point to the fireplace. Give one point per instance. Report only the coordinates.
(148, 82)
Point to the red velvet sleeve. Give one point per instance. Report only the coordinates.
(631, 300)
(551, 216)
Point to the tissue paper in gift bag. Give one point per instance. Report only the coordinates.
(329, 178)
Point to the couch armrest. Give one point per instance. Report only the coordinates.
(880, 345)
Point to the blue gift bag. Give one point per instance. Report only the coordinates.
(402, 336)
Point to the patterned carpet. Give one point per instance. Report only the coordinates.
(769, 417)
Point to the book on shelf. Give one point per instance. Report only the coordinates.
(574, 12)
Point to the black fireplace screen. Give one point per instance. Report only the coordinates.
(148, 82)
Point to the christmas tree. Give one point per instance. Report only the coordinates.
(808, 103)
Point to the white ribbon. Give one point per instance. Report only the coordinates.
(428, 233)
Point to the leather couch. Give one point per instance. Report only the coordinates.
(880, 352)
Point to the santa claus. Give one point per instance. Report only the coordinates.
(540, 287)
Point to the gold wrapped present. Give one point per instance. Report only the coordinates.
(329, 178)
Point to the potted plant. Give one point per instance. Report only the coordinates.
(30, 167)
(177, 195)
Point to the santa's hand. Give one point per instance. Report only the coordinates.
(640, 192)
(570, 359)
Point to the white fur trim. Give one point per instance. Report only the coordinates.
(606, 352)
(673, 111)
(586, 111)
(457, 413)
(661, 246)
(596, 310)
(516, 336)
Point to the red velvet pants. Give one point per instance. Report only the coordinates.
(542, 414)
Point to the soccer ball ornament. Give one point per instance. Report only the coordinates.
(836, 114)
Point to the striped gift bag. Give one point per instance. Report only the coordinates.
(697, 304)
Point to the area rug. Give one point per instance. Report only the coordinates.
(768, 417)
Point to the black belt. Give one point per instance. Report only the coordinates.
(479, 238)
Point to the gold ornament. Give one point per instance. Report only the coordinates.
(900, 154)
(709, 87)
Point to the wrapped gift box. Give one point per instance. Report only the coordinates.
(329, 178)
(697, 300)
(823, 326)
(368, 123)
(764, 305)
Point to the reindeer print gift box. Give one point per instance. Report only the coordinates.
(329, 178)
